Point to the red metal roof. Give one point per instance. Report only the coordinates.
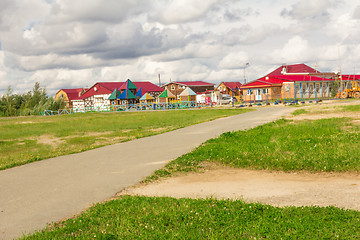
(278, 80)
(301, 78)
(232, 85)
(264, 82)
(350, 77)
(74, 94)
(108, 88)
(195, 83)
(148, 87)
(294, 68)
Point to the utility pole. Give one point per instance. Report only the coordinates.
(246, 65)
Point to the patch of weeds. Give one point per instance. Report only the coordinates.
(299, 112)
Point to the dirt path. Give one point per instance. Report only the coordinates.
(274, 188)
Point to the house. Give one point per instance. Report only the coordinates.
(266, 88)
(69, 96)
(178, 87)
(231, 88)
(147, 98)
(98, 95)
(187, 95)
(166, 97)
(296, 81)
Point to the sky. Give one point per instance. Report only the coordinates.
(76, 43)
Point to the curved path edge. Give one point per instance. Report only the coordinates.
(38, 193)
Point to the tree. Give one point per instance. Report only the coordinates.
(30, 103)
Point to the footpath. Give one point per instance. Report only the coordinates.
(33, 195)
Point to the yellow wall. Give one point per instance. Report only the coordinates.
(62, 94)
(237, 93)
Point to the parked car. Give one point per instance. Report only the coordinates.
(225, 99)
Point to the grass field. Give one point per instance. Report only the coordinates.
(167, 218)
(285, 145)
(28, 139)
(321, 145)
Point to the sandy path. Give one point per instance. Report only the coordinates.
(274, 188)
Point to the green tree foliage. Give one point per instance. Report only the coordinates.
(30, 103)
(334, 88)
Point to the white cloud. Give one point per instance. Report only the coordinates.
(296, 49)
(180, 11)
(234, 60)
(96, 10)
(73, 43)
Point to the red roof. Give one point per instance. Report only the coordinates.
(264, 82)
(232, 85)
(278, 80)
(350, 77)
(301, 78)
(74, 94)
(108, 88)
(148, 87)
(294, 68)
(195, 83)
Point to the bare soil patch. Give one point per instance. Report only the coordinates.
(50, 140)
(325, 116)
(275, 188)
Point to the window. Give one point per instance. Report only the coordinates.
(98, 99)
(265, 91)
(249, 92)
(172, 87)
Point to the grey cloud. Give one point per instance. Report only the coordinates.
(308, 9)
(112, 11)
(228, 13)
(249, 35)
(356, 14)
(135, 42)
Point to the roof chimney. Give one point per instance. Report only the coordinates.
(283, 71)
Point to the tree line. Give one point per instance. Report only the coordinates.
(30, 103)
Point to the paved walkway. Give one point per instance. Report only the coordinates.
(54, 189)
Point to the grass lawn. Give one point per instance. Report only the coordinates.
(321, 145)
(168, 218)
(28, 139)
(285, 145)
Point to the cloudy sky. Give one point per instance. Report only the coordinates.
(75, 43)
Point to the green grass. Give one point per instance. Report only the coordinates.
(299, 112)
(315, 146)
(167, 218)
(66, 134)
(351, 108)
